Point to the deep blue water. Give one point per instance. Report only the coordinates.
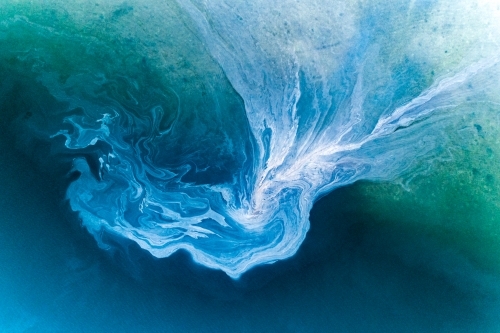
(349, 276)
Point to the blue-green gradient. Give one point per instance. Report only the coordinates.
(185, 166)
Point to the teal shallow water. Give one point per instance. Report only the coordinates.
(416, 249)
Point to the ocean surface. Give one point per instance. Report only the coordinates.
(249, 166)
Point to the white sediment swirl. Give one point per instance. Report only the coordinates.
(330, 97)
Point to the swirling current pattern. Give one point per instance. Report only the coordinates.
(323, 108)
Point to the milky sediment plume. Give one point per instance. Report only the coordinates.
(213, 127)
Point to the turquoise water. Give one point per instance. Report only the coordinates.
(249, 167)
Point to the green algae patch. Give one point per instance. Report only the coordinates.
(455, 202)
